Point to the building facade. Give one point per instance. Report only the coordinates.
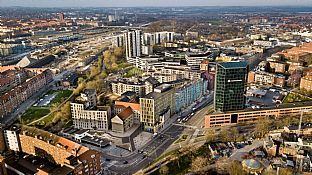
(123, 121)
(133, 41)
(58, 151)
(306, 83)
(157, 107)
(231, 84)
(16, 96)
(87, 115)
(252, 115)
(190, 93)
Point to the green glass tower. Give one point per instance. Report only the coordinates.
(230, 86)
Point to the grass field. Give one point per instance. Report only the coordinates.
(61, 96)
(34, 113)
(292, 97)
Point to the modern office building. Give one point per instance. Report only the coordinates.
(87, 115)
(133, 41)
(230, 86)
(194, 60)
(157, 107)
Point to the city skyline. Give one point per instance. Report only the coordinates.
(141, 3)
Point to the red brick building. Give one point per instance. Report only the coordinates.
(16, 96)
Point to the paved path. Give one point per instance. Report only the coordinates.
(237, 155)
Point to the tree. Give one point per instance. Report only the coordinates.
(234, 133)
(65, 110)
(285, 171)
(164, 170)
(198, 163)
(94, 71)
(262, 127)
(100, 63)
(210, 135)
(236, 168)
(224, 134)
(79, 88)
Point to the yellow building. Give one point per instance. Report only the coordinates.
(306, 83)
(157, 107)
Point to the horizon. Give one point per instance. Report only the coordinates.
(152, 3)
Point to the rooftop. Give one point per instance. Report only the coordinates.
(125, 113)
(233, 64)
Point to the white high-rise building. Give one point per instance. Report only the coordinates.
(118, 41)
(133, 41)
(158, 38)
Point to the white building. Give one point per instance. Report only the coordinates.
(86, 115)
(118, 41)
(133, 40)
(12, 140)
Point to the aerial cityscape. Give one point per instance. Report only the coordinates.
(155, 87)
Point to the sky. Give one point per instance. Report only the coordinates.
(135, 3)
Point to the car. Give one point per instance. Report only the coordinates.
(125, 162)
(144, 156)
(107, 159)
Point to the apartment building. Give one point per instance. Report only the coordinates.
(66, 156)
(182, 72)
(118, 41)
(194, 59)
(141, 88)
(306, 83)
(157, 107)
(265, 78)
(11, 138)
(87, 115)
(120, 87)
(190, 93)
(133, 41)
(252, 115)
(278, 67)
(12, 99)
(9, 49)
(158, 38)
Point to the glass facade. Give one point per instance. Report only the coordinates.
(230, 88)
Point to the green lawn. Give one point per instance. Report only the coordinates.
(42, 123)
(34, 113)
(292, 97)
(61, 96)
(133, 72)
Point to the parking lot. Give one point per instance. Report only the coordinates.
(46, 100)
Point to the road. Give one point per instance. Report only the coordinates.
(151, 151)
(154, 148)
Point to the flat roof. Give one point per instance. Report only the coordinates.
(280, 106)
(233, 64)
